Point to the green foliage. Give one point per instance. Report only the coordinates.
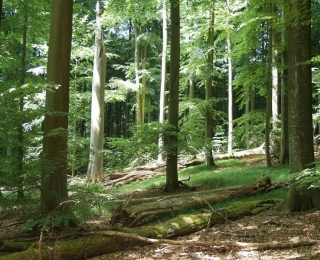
(250, 127)
(140, 148)
(309, 178)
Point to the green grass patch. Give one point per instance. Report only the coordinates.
(228, 173)
(232, 174)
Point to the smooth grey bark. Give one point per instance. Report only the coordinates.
(230, 97)
(163, 76)
(275, 80)
(269, 105)
(95, 167)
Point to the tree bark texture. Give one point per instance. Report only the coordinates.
(300, 87)
(230, 96)
(95, 168)
(301, 154)
(137, 215)
(284, 157)
(54, 172)
(171, 141)
(208, 114)
(163, 76)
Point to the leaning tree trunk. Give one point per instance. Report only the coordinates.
(95, 167)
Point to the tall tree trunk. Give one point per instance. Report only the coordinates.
(55, 139)
(143, 82)
(247, 112)
(163, 75)
(208, 114)
(301, 155)
(275, 80)
(21, 106)
(1, 7)
(137, 55)
(191, 86)
(172, 138)
(230, 98)
(95, 167)
(269, 105)
(284, 157)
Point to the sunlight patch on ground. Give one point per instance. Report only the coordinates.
(250, 227)
(248, 254)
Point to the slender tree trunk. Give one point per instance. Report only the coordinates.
(208, 115)
(284, 157)
(137, 55)
(247, 112)
(230, 98)
(21, 106)
(191, 86)
(163, 76)
(269, 106)
(1, 7)
(55, 166)
(275, 81)
(172, 138)
(95, 168)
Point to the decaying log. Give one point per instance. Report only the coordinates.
(97, 243)
(144, 172)
(103, 242)
(136, 215)
(242, 154)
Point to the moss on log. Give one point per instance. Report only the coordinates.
(78, 248)
(190, 223)
(137, 215)
(93, 244)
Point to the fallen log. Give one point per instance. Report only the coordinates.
(141, 214)
(275, 185)
(100, 240)
(85, 245)
(258, 151)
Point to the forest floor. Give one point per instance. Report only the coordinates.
(269, 227)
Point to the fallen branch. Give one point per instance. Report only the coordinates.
(217, 245)
(103, 242)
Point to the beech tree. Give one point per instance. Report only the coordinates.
(163, 76)
(208, 112)
(301, 155)
(95, 167)
(171, 140)
(55, 136)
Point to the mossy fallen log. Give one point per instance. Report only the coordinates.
(141, 214)
(98, 243)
